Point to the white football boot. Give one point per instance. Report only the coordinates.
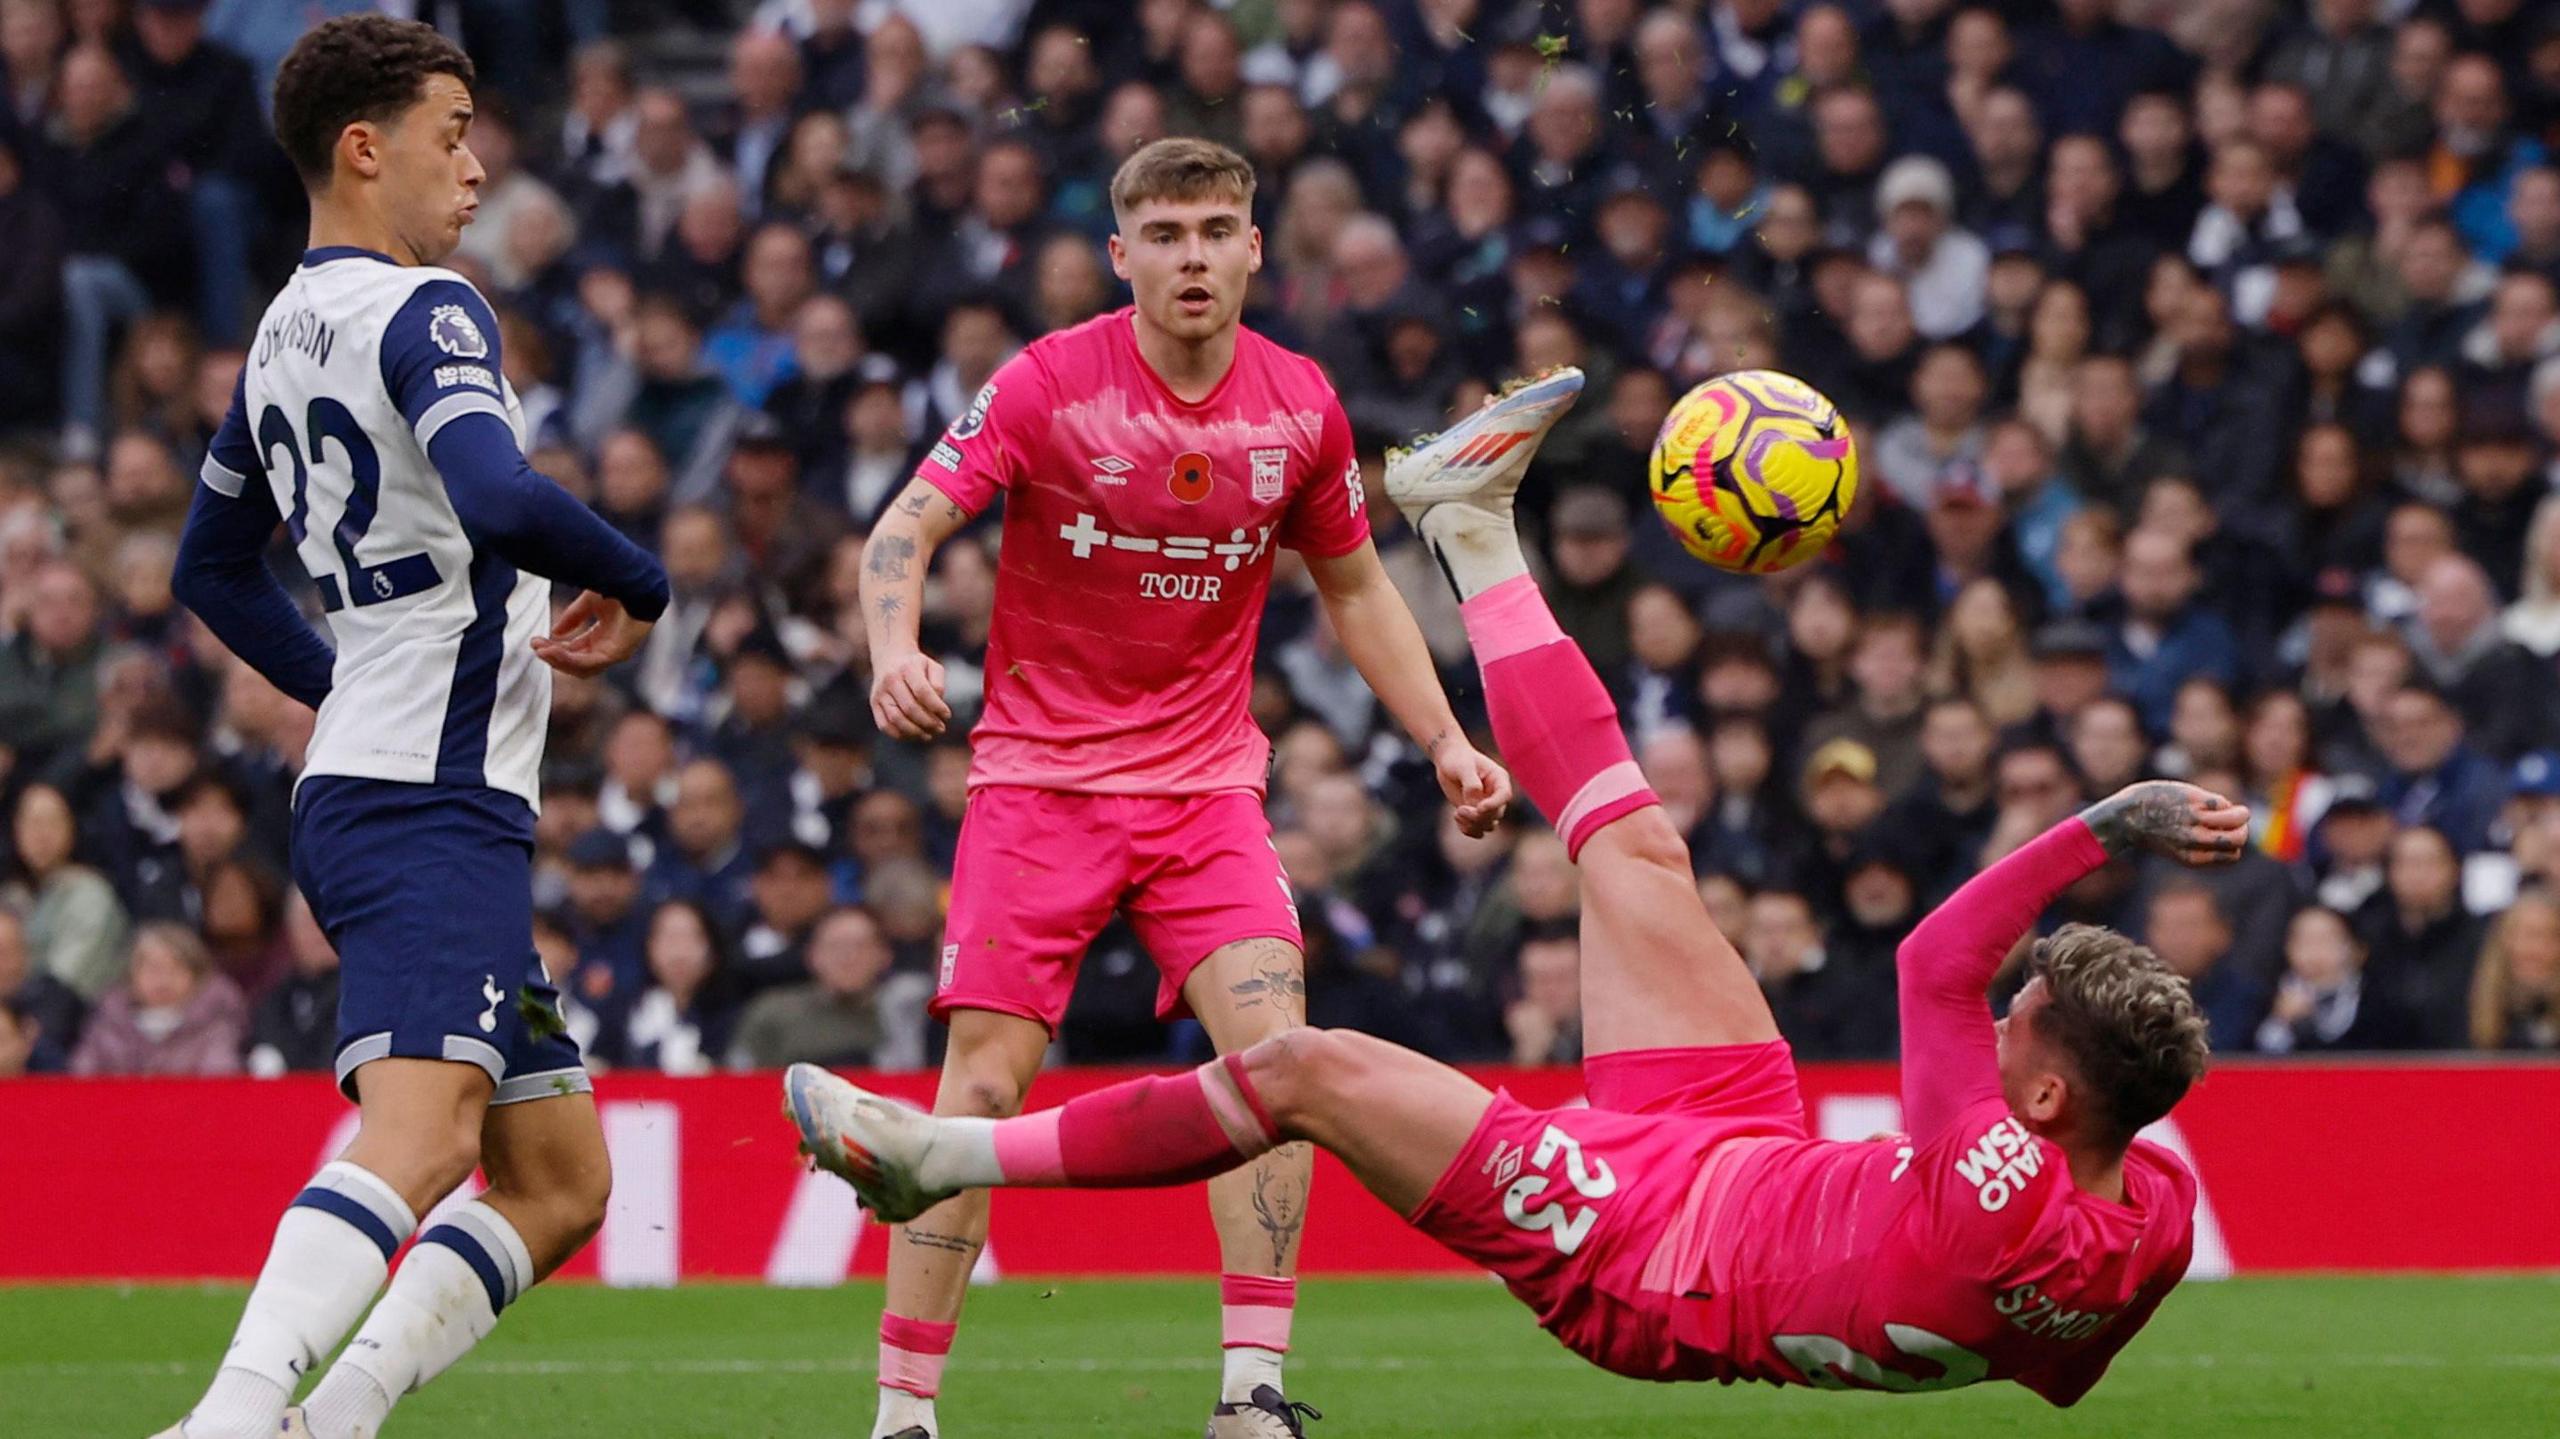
(1269, 1414)
(1481, 459)
(872, 1143)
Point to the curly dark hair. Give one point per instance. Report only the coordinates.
(2129, 1024)
(356, 67)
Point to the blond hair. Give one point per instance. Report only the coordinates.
(1181, 168)
(2127, 1021)
(2493, 983)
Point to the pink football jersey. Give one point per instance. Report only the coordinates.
(1138, 532)
(1920, 1266)
(1962, 1254)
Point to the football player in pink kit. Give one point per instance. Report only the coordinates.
(1685, 1226)
(1150, 462)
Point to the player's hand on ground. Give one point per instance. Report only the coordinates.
(2190, 825)
(1477, 788)
(591, 636)
(906, 698)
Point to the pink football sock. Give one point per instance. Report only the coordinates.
(912, 1352)
(1173, 1129)
(1555, 724)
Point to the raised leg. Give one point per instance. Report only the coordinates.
(1656, 973)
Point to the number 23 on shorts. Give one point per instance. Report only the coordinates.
(1566, 1224)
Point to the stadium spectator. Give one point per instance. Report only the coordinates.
(1826, 1010)
(1939, 825)
(40, 1014)
(2424, 944)
(1886, 666)
(75, 926)
(1983, 654)
(1943, 432)
(172, 1014)
(832, 1019)
(2320, 1002)
(295, 1025)
(791, 892)
(2477, 155)
(705, 858)
(603, 919)
(2438, 779)
(2506, 696)
(2110, 455)
(2184, 925)
(1943, 266)
(1545, 1021)
(2165, 637)
(2515, 996)
(49, 665)
(680, 1022)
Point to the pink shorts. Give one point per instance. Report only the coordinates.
(1569, 1205)
(1039, 873)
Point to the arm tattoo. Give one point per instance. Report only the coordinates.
(1280, 1200)
(917, 497)
(947, 1243)
(888, 555)
(890, 606)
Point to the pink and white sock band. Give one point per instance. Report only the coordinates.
(1254, 1311)
(912, 1352)
(1509, 619)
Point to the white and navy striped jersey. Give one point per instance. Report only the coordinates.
(353, 370)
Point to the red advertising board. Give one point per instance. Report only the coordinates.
(2360, 1166)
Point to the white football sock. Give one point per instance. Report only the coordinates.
(961, 1156)
(446, 1298)
(902, 1410)
(1477, 547)
(332, 1248)
(1247, 1366)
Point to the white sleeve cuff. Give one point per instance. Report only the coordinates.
(221, 478)
(453, 407)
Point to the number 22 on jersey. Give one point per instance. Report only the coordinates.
(328, 421)
(1565, 1223)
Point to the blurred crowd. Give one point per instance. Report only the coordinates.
(2201, 354)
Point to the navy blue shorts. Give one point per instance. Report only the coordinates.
(427, 893)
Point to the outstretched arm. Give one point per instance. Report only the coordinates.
(531, 523)
(1379, 635)
(1949, 1046)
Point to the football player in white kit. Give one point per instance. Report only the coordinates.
(373, 421)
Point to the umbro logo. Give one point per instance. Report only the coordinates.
(1505, 1161)
(1111, 470)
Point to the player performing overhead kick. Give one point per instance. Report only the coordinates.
(373, 419)
(1150, 460)
(1685, 1226)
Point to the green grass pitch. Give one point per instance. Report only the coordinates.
(2333, 1358)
